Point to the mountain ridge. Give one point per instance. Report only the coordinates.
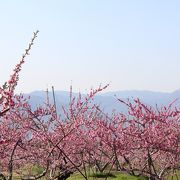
(108, 101)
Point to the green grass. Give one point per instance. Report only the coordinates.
(98, 176)
(168, 177)
(103, 175)
(115, 176)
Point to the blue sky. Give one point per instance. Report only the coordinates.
(134, 44)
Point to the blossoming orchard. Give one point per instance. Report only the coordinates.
(84, 140)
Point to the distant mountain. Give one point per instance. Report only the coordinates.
(108, 101)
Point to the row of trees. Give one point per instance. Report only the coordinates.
(145, 141)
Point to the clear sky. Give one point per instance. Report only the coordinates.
(134, 44)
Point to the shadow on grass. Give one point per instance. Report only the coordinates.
(103, 175)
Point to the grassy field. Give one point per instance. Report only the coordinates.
(117, 176)
(113, 176)
(121, 176)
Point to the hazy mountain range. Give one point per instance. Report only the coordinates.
(108, 101)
